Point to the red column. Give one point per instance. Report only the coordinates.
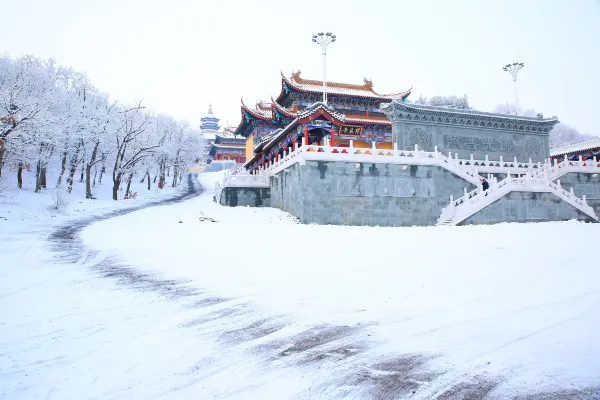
(332, 144)
(306, 135)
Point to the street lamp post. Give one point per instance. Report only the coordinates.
(323, 39)
(514, 69)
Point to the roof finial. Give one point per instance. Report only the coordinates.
(210, 108)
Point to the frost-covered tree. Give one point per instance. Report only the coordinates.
(507, 108)
(560, 135)
(445, 101)
(563, 134)
(53, 117)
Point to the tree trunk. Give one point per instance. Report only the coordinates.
(20, 176)
(161, 179)
(43, 177)
(175, 172)
(88, 186)
(63, 169)
(116, 184)
(72, 169)
(82, 170)
(148, 175)
(129, 179)
(101, 173)
(95, 174)
(2, 151)
(38, 178)
(88, 172)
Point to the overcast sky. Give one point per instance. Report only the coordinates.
(179, 55)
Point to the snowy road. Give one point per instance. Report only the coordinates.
(159, 305)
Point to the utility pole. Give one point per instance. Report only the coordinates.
(323, 39)
(514, 69)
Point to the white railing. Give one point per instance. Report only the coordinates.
(560, 168)
(369, 155)
(468, 169)
(239, 177)
(462, 208)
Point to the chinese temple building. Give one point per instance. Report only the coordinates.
(589, 150)
(227, 148)
(352, 114)
(223, 149)
(364, 158)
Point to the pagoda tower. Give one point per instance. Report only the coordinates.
(209, 123)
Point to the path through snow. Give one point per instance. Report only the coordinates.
(161, 305)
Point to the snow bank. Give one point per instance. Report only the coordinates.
(517, 301)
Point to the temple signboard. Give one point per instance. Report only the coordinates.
(349, 130)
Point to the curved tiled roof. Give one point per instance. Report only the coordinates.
(346, 89)
(261, 112)
(316, 107)
(575, 147)
(451, 111)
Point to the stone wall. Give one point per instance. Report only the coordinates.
(526, 207)
(253, 197)
(584, 184)
(344, 193)
(467, 140)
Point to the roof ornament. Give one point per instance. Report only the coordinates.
(210, 109)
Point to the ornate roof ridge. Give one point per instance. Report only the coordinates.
(338, 88)
(285, 111)
(367, 85)
(386, 107)
(320, 105)
(266, 114)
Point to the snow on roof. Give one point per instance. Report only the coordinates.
(261, 111)
(317, 106)
(469, 112)
(364, 90)
(575, 147)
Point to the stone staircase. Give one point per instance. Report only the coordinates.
(471, 202)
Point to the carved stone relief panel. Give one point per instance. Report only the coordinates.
(419, 137)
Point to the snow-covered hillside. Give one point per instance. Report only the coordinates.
(161, 303)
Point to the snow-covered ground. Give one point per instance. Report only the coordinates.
(161, 304)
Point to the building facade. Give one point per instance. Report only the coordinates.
(430, 173)
(271, 127)
(223, 149)
(589, 150)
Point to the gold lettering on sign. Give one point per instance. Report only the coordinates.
(349, 130)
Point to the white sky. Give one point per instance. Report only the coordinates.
(182, 54)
